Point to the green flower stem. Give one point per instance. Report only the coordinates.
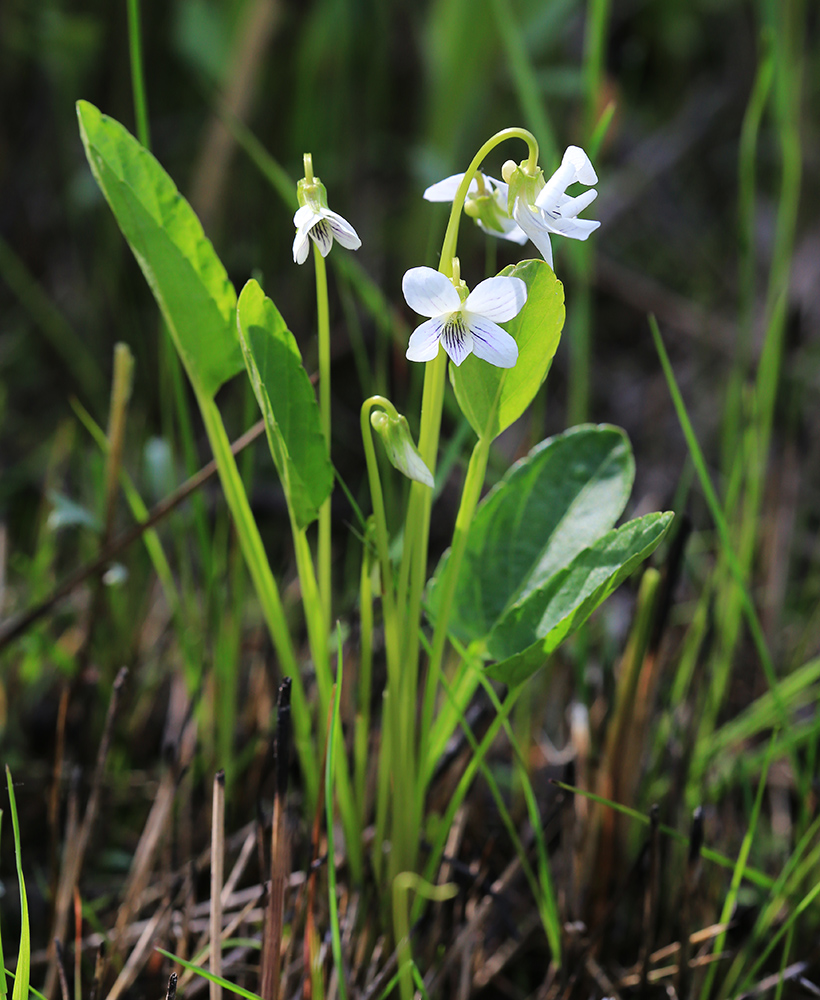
(318, 636)
(323, 317)
(392, 637)
(397, 753)
(265, 585)
(412, 575)
(469, 500)
(361, 737)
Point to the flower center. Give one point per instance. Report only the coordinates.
(453, 331)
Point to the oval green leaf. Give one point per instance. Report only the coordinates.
(288, 404)
(538, 624)
(493, 398)
(566, 493)
(187, 278)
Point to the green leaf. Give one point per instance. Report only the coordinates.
(533, 628)
(288, 404)
(562, 497)
(187, 278)
(493, 398)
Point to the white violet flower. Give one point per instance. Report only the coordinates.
(466, 323)
(542, 208)
(315, 221)
(321, 225)
(487, 203)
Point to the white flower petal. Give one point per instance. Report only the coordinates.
(428, 292)
(570, 207)
(301, 243)
(491, 343)
(497, 299)
(424, 341)
(322, 236)
(456, 338)
(510, 231)
(343, 231)
(305, 216)
(575, 229)
(534, 225)
(584, 171)
(446, 190)
(575, 166)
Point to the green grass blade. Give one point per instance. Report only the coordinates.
(720, 523)
(23, 969)
(737, 874)
(3, 986)
(199, 971)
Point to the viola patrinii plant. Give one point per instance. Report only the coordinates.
(527, 564)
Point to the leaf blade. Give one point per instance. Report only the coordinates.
(493, 398)
(179, 263)
(288, 404)
(535, 627)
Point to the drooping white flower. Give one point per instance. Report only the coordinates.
(541, 208)
(487, 203)
(322, 226)
(315, 221)
(463, 326)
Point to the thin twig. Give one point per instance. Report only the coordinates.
(58, 951)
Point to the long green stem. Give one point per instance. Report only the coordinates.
(323, 322)
(397, 751)
(137, 75)
(469, 500)
(417, 527)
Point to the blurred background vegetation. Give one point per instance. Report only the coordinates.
(710, 217)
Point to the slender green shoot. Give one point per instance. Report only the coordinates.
(740, 866)
(334, 747)
(23, 969)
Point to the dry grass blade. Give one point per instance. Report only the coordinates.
(58, 950)
(143, 950)
(280, 851)
(76, 846)
(217, 876)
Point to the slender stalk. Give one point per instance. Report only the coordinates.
(413, 569)
(323, 322)
(217, 878)
(137, 73)
(469, 500)
(412, 574)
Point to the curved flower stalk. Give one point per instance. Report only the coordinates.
(462, 322)
(315, 221)
(524, 206)
(541, 208)
(487, 203)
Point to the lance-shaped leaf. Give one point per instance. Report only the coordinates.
(288, 404)
(532, 629)
(562, 497)
(492, 398)
(187, 278)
